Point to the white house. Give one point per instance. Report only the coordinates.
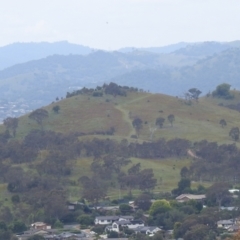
(225, 223)
(107, 220)
(233, 191)
(126, 223)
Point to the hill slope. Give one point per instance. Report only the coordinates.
(74, 142)
(85, 113)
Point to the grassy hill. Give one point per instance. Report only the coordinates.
(83, 113)
(87, 114)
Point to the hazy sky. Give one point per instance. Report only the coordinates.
(111, 24)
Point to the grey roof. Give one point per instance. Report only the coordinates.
(126, 217)
(229, 208)
(114, 218)
(145, 228)
(230, 221)
(123, 222)
(107, 217)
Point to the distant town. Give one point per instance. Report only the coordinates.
(13, 109)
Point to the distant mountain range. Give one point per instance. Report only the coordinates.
(23, 52)
(40, 81)
(205, 74)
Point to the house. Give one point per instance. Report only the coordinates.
(188, 197)
(225, 223)
(126, 223)
(30, 233)
(108, 208)
(40, 226)
(68, 235)
(229, 208)
(106, 220)
(75, 205)
(148, 230)
(233, 191)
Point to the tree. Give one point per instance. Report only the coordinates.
(85, 219)
(143, 202)
(15, 198)
(223, 91)
(11, 124)
(55, 204)
(223, 123)
(159, 122)
(234, 133)
(18, 227)
(112, 234)
(137, 124)
(194, 93)
(171, 119)
(5, 232)
(197, 232)
(159, 206)
(39, 115)
(94, 190)
(56, 108)
(147, 180)
(217, 193)
(184, 172)
(58, 224)
(184, 185)
(125, 209)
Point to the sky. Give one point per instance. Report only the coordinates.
(114, 24)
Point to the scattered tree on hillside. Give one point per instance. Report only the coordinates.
(93, 190)
(137, 124)
(194, 93)
(159, 122)
(56, 108)
(223, 91)
(137, 179)
(234, 133)
(184, 172)
(223, 123)
(171, 119)
(217, 193)
(147, 181)
(184, 186)
(11, 124)
(39, 115)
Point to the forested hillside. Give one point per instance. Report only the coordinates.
(113, 139)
